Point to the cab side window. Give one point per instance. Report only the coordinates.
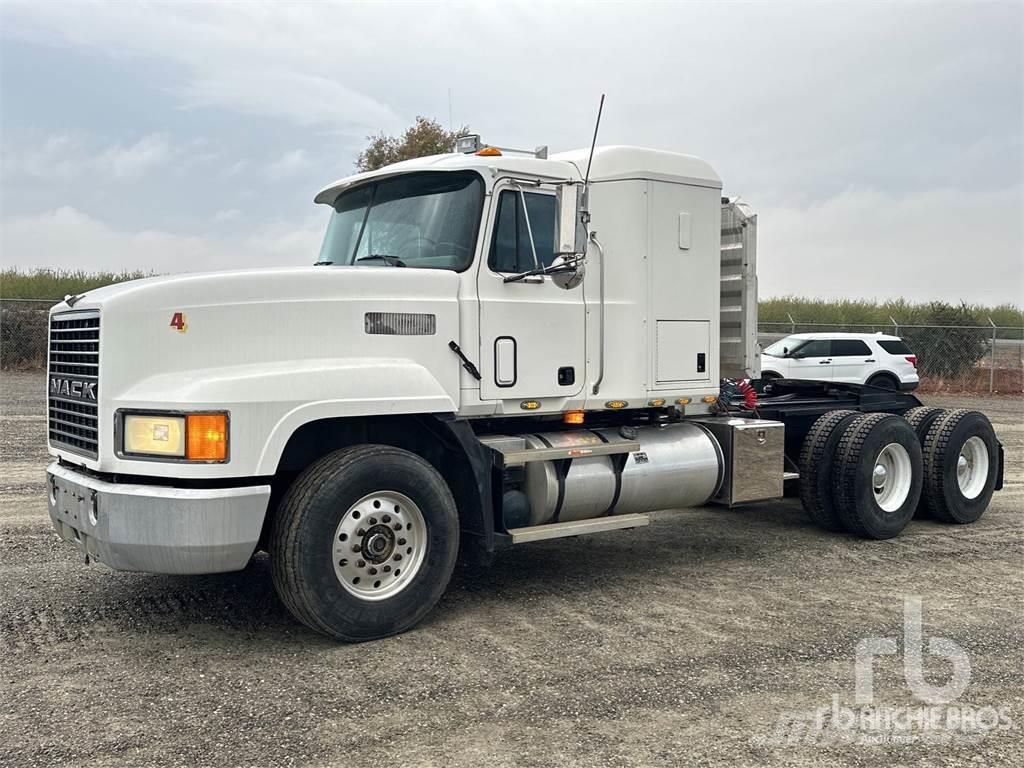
(510, 249)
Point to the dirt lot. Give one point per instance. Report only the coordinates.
(689, 642)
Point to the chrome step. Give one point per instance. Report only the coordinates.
(790, 475)
(578, 527)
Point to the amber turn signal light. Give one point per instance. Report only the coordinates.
(206, 437)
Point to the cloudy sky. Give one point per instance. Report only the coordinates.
(881, 144)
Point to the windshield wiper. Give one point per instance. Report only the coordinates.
(391, 261)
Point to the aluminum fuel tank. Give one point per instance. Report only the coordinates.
(678, 465)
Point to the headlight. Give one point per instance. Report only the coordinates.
(192, 436)
(154, 435)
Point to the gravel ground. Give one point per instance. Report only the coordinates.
(690, 642)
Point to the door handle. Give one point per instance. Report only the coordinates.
(824, 362)
(870, 360)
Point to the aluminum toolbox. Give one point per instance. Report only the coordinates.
(753, 455)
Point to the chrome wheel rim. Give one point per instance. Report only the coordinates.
(379, 545)
(972, 467)
(891, 477)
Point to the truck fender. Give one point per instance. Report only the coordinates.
(381, 388)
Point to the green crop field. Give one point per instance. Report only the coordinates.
(882, 313)
(56, 284)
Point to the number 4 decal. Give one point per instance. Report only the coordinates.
(178, 322)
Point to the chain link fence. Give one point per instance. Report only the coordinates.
(950, 358)
(980, 359)
(23, 333)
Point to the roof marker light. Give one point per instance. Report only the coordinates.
(489, 152)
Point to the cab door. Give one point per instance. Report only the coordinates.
(532, 332)
(812, 360)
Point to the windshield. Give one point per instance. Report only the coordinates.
(426, 220)
(778, 349)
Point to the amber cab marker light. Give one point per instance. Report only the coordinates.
(616, 404)
(683, 401)
(206, 437)
(572, 417)
(709, 399)
(489, 152)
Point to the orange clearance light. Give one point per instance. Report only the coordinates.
(683, 401)
(206, 437)
(529, 405)
(616, 404)
(709, 399)
(489, 152)
(572, 417)
(657, 403)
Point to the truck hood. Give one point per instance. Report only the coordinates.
(264, 285)
(261, 344)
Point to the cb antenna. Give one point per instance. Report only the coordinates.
(593, 143)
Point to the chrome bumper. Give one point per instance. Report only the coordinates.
(154, 528)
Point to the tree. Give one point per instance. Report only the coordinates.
(426, 137)
(952, 343)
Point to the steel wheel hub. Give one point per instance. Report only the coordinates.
(891, 477)
(972, 467)
(379, 545)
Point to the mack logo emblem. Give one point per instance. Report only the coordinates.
(83, 390)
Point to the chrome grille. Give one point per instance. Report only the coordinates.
(72, 382)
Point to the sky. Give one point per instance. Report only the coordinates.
(881, 144)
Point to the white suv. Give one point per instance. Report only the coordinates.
(854, 358)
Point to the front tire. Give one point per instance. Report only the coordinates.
(364, 542)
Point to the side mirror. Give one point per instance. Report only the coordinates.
(571, 235)
(567, 271)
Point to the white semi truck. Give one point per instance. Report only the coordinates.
(493, 348)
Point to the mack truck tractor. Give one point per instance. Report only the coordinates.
(493, 348)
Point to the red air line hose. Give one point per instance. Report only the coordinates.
(749, 394)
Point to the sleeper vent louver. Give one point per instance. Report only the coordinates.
(400, 324)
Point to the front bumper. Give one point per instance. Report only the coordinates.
(155, 528)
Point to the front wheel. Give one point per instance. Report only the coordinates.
(364, 542)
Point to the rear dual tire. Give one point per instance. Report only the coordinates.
(961, 464)
(817, 457)
(868, 473)
(877, 475)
